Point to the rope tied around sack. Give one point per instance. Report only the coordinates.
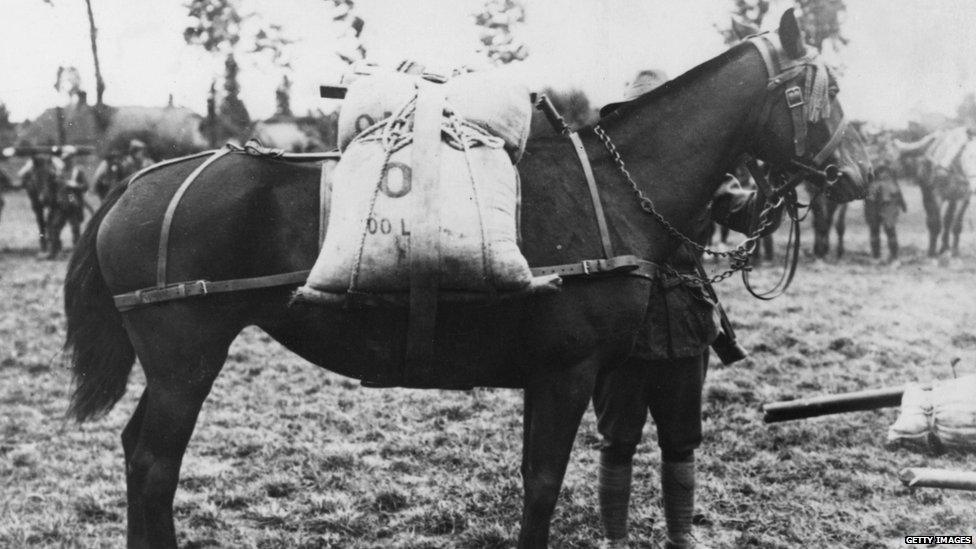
(396, 131)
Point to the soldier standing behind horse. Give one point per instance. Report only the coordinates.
(884, 200)
(116, 168)
(67, 202)
(665, 373)
(37, 177)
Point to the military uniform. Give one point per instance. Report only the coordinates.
(665, 375)
(67, 205)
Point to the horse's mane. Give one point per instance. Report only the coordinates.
(673, 85)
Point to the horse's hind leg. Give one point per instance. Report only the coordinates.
(181, 354)
(554, 405)
(130, 437)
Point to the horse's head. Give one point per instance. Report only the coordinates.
(802, 129)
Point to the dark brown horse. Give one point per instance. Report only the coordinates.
(827, 214)
(40, 183)
(247, 217)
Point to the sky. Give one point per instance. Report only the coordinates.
(904, 56)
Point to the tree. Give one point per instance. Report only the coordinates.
(498, 19)
(966, 111)
(820, 20)
(8, 130)
(93, 35)
(351, 47)
(221, 28)
(747, 17)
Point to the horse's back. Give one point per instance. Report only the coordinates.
(240, 217)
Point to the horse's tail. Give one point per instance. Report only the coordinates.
(97, 346)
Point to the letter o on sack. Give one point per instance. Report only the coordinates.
(396, 180)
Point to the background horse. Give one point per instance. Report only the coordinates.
(39, 180)
(247, 216)
(946, 186)
(827, 214)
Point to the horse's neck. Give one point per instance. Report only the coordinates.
(679, 145)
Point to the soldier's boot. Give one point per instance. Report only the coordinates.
(42, 241)
(678, 491)
(614, 493)
(876, 246)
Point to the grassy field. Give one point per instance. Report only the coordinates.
(289, 455)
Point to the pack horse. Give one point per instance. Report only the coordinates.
(239, 239)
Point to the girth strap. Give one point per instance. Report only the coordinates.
(601, 219)
(162, 253)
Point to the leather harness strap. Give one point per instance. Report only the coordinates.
(424, 253)
(162, 253)
(601, 219)
(621, 264)
(131, 300)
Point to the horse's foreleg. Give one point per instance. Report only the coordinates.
(933, 218)
(38, 210)
(947, 222)
(841, 227)
(957, 226)
(181, 354)
(76, 221)
(872, 218)
(554, 405)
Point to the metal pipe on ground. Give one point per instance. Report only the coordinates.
(873, 399)
(922, 477)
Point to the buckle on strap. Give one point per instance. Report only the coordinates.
(794, 97)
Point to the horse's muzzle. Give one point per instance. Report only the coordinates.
(851, 184)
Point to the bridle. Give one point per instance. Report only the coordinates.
(804, 105)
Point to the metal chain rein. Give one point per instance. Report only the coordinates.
(738, 257)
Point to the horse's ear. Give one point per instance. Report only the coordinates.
(790, 35)
(742, 29)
